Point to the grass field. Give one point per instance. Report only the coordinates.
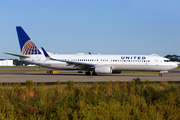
(23, 71)
(20, 67)
(136, 100)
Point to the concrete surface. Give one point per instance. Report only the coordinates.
(63, 77)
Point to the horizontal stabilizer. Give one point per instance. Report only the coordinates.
(21, 56)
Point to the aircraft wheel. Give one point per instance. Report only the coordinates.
(80, 71)
(160, 75)
(88, 73)
(94, 73)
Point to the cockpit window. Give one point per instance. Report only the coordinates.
(166, 60)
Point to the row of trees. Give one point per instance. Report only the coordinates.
(173, 57)
(19, 62)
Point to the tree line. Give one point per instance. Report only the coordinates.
(173, 57)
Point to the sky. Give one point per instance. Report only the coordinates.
(97, 26)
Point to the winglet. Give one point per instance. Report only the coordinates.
(45, 53)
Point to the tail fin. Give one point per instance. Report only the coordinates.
(26, 44)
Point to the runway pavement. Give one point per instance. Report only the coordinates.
(13, 77)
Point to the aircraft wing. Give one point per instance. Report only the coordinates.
(76, 64)
(21, 56)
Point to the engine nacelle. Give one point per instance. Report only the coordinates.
(104, 69)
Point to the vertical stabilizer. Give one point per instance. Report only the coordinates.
(26, 44)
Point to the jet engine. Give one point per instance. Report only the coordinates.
(104, 69)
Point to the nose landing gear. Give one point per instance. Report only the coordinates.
(160, 75)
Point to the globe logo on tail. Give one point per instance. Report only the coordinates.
(30, 48)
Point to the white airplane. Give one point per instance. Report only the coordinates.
(98, 64)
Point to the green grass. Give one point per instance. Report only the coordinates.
(178, 67)
(20, 67)
(139, 72)
(20, 70)
(136, 100)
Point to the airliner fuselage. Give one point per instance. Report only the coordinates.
(98, 64)
(117, 62)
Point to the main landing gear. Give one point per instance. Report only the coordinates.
(80, 71)
(94, 73)
(89, 73)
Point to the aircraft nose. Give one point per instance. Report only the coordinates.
(175, 65)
